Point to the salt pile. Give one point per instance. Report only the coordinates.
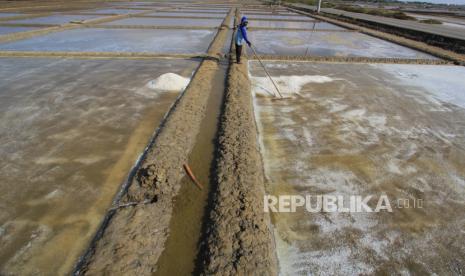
(286, 84)
(169, 82)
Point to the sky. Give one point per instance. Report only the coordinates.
(458, 2)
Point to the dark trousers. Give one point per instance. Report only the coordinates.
(238, 53)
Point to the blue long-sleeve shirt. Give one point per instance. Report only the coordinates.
(241, 33)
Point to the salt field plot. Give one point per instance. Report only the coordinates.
(393, 130)
(295, 25)
(54, 19)
(249, 12)
(8, 14)
(135, 3)
(281, 17)
(201, 10)
(148, 21)
(343, 44)
(117, 40)
(10, 30)
(186, 14)
(265, 11)
(78, 126)
(115, 11)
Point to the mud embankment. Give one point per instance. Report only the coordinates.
(395, 38)
(133, 236)
(238, 239)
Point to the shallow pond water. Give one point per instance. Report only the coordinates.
(70, 131)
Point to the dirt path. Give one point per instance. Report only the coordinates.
(239, 240)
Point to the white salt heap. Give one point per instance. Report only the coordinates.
(169, 82)
(286, 84)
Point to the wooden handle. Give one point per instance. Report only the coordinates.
(266, 71)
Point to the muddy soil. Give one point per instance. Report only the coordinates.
(239, 240)
(190, 210)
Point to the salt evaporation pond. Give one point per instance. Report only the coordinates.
(54, 19)
(329, 44)
(153, 21)
(394, 130)
(188, 14)
(70, 131)
(8, 14)
(315, 25)
(281, 17)
(117, 40)
(10, 30)
(115, 11)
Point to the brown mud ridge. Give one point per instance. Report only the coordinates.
(133, 235)
(415, 44)
(239, 241)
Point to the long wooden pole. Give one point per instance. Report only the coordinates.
(266, 71)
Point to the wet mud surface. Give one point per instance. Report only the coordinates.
(390, 129)
(78, 126)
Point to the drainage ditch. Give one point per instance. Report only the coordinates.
(190, 207)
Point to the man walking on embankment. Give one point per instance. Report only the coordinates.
(241, 36)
